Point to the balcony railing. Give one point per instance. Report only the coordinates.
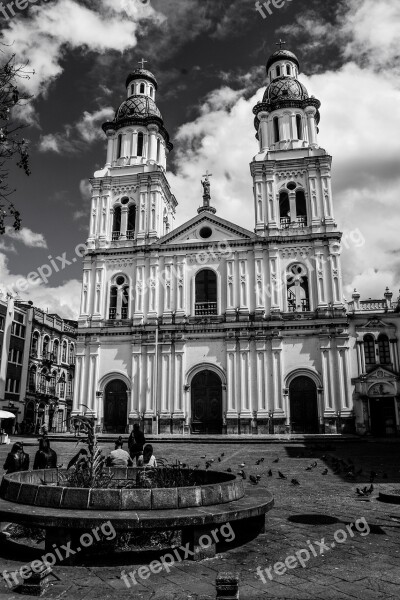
(130, 234)
(124, 312)
(299, 223)
(112, 313)
(285, 222)
(205, 309)
(304, 305)
(115, 236)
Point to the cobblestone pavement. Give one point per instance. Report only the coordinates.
(361, 567)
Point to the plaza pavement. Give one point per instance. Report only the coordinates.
(362, 567)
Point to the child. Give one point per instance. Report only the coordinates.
(147, 459)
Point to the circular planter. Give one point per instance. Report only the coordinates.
(390, 493)
(39, 488)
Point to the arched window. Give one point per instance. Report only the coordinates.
(44, 379)
(284, 209)
(369, 350)
(278, 71)
(32, 379)
(125, 303)
(151, 91)
(142, 88)
(56, 347)
(158, 150)
(45, 350)
(298, 294)
(119, 146)
(116, 232)
(299, 124)
(301, 208)
(384, 350)
(206, 293)
(276, 130)
(52, 383)
(132, 90)
(140, 143)
(71, 358)
(130, 232)
(35, 344)
(288, 71)
(113, 302)
(64, 352)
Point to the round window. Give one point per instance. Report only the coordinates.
(120, 280)
(205, 232)
(124, 200)
(291, 186)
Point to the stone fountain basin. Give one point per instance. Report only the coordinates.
(39, 488)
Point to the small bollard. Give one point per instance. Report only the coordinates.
(37, 583)
(227, 586)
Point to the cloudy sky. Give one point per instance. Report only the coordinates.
(209, 57)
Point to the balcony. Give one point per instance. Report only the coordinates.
(115, 236)
(34, 352)
(299, 223)
(205, 309)
(304, 305)
(130, 234)
(112, 314)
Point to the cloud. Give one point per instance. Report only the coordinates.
(79, 136)
(360, 117)
(27, 237)
(86, 192)
(7, 247)
(63, 299)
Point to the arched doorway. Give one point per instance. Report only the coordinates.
(303, 405)
(115, 406)
(206, 390)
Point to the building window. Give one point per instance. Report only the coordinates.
(158, 150)
(206, 293)
(35, 345)
(125, 303)
(278, 71)
(45, 350)
(369, 350)
(384, 350)
(56, 348)
(142, 88)
(113, 302)
(130, 232)
(12, 385)
(151, 92)
(276, 129)
(299, 124)
(64, 352)
(132, 90)
(288, 70)
(32, 379)
(18, 330)
(298, 294)
(140, 143)
(119, 146)
(284, 209)
(116, 232)
(71, 358)
(119, 299)
(2, 323)
(15, 356)
(301, 208)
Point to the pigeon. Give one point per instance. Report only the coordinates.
(223, 454)
(276, 460)
(324, 472)
(242, 465)
(208, 464)
(203, 456)
(295, 481)
(281, 475)
(365, 491)
(314, 465)
(219, 459)
(262, 459)
(196, 466)
(269, 473)
(258, 462)
(309, 468)
(242, 473)
(229, 470)
(254, 480)
(211, 460)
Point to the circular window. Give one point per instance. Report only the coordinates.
(205, 232)
(124, 200)
(120, 280)
(291, 186)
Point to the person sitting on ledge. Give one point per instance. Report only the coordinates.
(17, 459)
(136, 442)
(147, 459)
(119, 457)
(46, 457)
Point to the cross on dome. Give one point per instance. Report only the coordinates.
(280, 44)
(142, 62)
(207, 175)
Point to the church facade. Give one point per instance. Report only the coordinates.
(209, 328)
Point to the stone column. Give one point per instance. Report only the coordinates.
(312, 126)
(263, 116)
(134, 143)
(153, 129)
(245, 377)
(165, 379)
(277, 376)
(232, 391)
(134, 404)
(110, 147)
(230, 291)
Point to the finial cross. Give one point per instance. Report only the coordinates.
(141, 63)
(207, 175)
(280, 44)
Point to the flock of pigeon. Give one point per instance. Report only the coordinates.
(337, 465)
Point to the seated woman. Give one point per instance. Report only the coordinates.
(46, 457)
(119, 457)
(17, 459)
(147, 459)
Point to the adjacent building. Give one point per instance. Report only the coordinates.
(213, 328)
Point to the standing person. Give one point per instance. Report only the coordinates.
(147, 459)
(136, 442)
(17, 459)
(46, 457)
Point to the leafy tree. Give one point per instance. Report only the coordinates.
(13, 147)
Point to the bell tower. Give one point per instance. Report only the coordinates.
(293, 193)
(132, 203)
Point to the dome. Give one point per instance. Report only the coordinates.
(137, 107)
(141, 74)
(282, 55)
(285, 88)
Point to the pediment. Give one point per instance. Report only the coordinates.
(195, 230)
(375, 324)
(378, 374)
